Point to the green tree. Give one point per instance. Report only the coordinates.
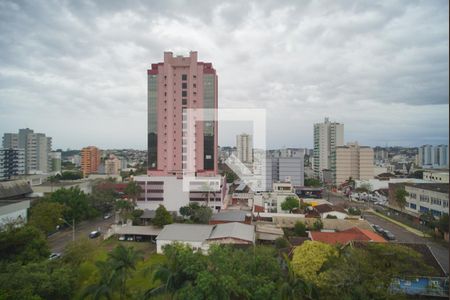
(290, 203)
(23, 244)
(400, 197)
(125, 209)
(281, 243)
(71, 175)
(230, 176)
(186, 211)
(46, 215)
(133, 190)
(201, 215)
(442, 223)
(300, 228)
(103, 197)
(312, 182)
(76, 203)
(123, 262)
(317, 225)
(36, 280)
(162, 217)
(295, 288)
(104, 287)
(309, 258)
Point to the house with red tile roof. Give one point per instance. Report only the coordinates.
(343, 237)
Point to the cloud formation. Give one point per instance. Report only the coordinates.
(76, 70)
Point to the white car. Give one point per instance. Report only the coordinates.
(107, 216)
(122, 238)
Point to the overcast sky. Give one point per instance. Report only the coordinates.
(76, 70)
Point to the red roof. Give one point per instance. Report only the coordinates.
(343, 237)
(259, 208)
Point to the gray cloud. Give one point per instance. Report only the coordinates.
(76, 69)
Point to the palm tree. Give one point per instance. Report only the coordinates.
(123, 262)
(125, 208)
(294, 288)
(104, 288)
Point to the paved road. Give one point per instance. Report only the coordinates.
(401, 234)
(59, 240)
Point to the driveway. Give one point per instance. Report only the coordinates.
(60, 239)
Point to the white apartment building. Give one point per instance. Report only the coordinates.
(37, 149)
(327, 136)
(427, 197)
(244, 146)
(433, 156)
(354, 161)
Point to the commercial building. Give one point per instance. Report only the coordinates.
(12, 163)
(244, 146)
(427, 197)
(327, 136)
(436, 176)
(90, 160)
(284, 166)
(112, 165)
(182, 135)
(433, 156)
(36, 146)
(354, 161)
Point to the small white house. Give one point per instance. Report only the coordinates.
(193, 235)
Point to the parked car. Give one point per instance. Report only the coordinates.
(107, 216)
(388, 235)
(122, 238)
(94, 234)
(378, 228)
(54, 256)
(130, 238)
(139, 238)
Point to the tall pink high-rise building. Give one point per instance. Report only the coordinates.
(176, 87)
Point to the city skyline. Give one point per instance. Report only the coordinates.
(80, 77)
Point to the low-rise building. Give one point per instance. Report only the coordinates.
(13, 211)
(229, 216)
(436, 176)
(199, 237)
(174, 192)
(346, 236)
(326, 210)
(427, 197)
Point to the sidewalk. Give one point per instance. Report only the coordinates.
(410, 229)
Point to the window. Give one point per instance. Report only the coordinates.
(184, 101)
(184, 85)
(183, 77)
(184, 93)
(413, 206)
(194, 85)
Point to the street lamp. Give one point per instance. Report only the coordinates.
(73, 227)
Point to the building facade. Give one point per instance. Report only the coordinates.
(90, 160)
(436, 176)
(244, 146)
(179, 140)
(354, 161)
(55, 162)
(112, 165)
(288, 166)
(37, 148)
(182, 135)
(433, 156)
(12, 163)
(427, 198)
(327, 136)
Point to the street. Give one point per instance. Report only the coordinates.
(402, 235)
(60, 239)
